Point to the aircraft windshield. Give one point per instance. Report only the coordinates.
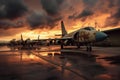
(89, 28)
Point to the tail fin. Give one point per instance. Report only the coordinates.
(38, 37)
(64, 32)
(21, 37)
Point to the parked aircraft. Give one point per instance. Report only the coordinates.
(24, 44)
(84, 36)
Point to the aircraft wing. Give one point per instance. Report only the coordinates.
(64, 38)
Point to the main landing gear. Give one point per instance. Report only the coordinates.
(62, 45)
(78, 45)
(89, 48)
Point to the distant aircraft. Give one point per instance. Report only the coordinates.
(24, 44)
(84, 36)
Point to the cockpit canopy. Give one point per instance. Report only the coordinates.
(89, 28)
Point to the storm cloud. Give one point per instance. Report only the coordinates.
(90, 3)
(84, 14)
(52, 11)
(42, 20)
(12, 9)
(7, 24)
(114, 19)
(39, 14)
(48, 16)
(52, 7)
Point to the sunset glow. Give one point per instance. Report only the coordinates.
(34, 18)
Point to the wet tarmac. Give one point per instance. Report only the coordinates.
(51, 63)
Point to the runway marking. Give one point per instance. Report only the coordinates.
(56, 64)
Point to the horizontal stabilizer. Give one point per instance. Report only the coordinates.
(58, 34)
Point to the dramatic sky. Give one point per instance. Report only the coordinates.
(42, 17)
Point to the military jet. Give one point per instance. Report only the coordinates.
(23, 44)
(85, 36)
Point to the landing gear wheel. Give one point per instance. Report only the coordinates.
(78, 45)
(61, 46)
(89, 48)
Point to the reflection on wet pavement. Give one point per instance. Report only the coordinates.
(113, 69)
(84, 66)
(56, 65)
(23, 65)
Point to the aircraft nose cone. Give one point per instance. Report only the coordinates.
(101, 36)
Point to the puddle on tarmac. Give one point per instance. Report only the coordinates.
(90, 66)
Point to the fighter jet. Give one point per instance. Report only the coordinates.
(84, 36)
(21, 44)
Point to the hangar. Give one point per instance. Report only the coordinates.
(113, 38)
